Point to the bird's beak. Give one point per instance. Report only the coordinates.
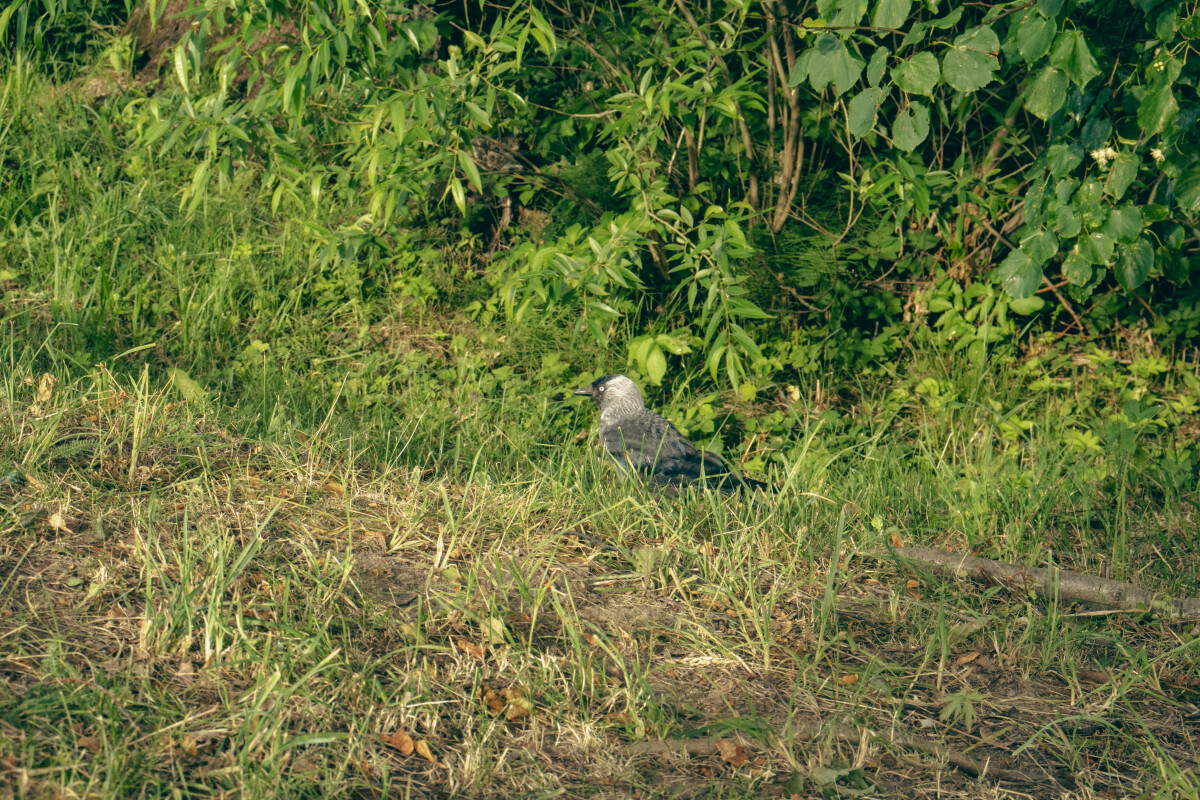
(585, 391)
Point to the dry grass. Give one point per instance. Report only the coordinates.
(185, 608)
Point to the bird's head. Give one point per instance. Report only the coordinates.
(613, 390)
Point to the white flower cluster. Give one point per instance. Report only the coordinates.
(1103, 156)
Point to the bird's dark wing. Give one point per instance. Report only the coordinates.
(653, 446)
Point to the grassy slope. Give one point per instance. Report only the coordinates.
(383, 531)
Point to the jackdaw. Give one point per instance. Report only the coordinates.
(643, 442)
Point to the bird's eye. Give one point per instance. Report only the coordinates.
(602, 388)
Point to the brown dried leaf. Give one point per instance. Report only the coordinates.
(967, 658)
(90, 743)
(848, 680)
(400, 740)
(470, 648)
(46, 388)
(424, 751)
(732, 752)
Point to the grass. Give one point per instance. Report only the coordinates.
(264, 535)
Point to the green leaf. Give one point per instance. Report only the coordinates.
(842, 13)
(968, 70)
(969, 64)
(1096, 247)
(1019, 276)
(1158, 109)
(876, 66)
(469, 169)
(1071, 55)
(656, 365)
(911, 127)
(1065, 221)
(460, 197)
(1134, 263)
(1076, 268)
(1063, 158)
(1047, 94)
(1034, 37)
(1187, 189)
(1050, 8)
(1026, 305)
(799, 73)
(1124, 223)
(862, 111)
(1040, 246)
(891, 13)
(1155, 212)
(917, 75)
(1095, 133)
(832, 63)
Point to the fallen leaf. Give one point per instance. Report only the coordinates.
(495, 630)
(424, 751)
(848, 680)
(90, 743)
(333, 487)
(46, 388)
(492, 699)
(732, 752)
(400, 740)
(967, 658)
(896, 540)
(189, 745)
(57, 522)
(519, 705)
(470, 648)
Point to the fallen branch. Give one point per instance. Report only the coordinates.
(844, 733)
(1055, 582)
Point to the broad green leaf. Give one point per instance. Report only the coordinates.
(1076, 268)
(1026, 305)
(1034, 37)
(917, 75)
(1070, 54)
(1158, 109)
(656, 365)
(1187, 189)
(1063, 158)
(1040, 246)
(876, 66)
(1155, 212)
(1047, 93)
(1050, 8)
(1065, 221)
(891, 13)
(1095, 133)
(842, 13)
(832, 63)
(1134, 263)
(1096, 247)
(799, 73)
(981, 39)
(968, 70)
(1124, 223)
(911, 127)
(862, 111)
(1018, 275)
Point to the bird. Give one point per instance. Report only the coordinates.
(642, 442)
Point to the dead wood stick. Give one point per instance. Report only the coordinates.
(843, 733)
(1063, 583)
